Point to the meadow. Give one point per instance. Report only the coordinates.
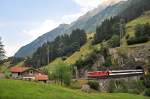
(15, 89)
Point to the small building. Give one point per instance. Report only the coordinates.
(28, 74)
(42, 78)
(17, 71)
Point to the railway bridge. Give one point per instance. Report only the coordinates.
(105, 77)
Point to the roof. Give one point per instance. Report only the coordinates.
(23, 69)
(18, 69)
(41, 77)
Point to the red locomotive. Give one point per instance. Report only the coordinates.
(98, 74)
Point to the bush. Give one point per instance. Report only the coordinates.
(67, 78)
(7, 74)
(121, 87)
(142, 30)
(108, 62)
(133, 91)
(64, 58)
(147, 81)
(111, 86)
(62, 73)
(94, 85)
(117, 86)
(75, 85)
(135, 86)
(137, 40)
(147, 92)
(114, 41)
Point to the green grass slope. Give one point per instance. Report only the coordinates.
(53, 65)
(13, 89)
(140, 20)
(82, 53)
(130, 26)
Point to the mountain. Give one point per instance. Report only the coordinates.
(88, 22)
(91, 24)
(29, 49)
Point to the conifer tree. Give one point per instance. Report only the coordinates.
(2, 52)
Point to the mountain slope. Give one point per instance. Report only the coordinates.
(91, 24)
(130, 26)
(87, 48)
(29, 49)
(82, 53)
(143, 19)
(87, 22)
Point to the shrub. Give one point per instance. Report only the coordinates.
(62, 73)
(7, 74)
(64, 58)
(114, 41)
(94, 85)
(111, 86)
(108, 62)
(147, 81)
(67, 78)
(147, 92)
(135, 86)
(133, 91)
(142, 30)
(121, 87)
(75, 85)
(137, 40)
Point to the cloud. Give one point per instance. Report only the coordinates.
(44, 27)
(88, 3)
(72, 17)
(10, 49)
(110, 2)
(85, 6)
(94, 3)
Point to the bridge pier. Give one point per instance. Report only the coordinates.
(105, 84)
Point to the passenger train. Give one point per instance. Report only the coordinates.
(112, 73)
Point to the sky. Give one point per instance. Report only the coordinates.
(22, 21)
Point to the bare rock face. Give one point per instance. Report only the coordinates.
(85, 88)
(132, 56)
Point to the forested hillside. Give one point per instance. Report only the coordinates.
(115, 25)
(62, 46)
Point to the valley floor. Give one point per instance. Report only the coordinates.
(15, 89)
